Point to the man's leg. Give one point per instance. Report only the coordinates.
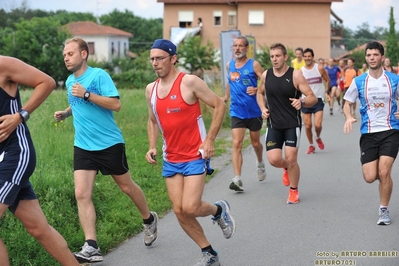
(238, 135)
(318, 120)
(84, 183)
(185, 194)
(135, 193)
(275, 157)
(257, 144)
(307, 120)
(338, 96)
(31, 215)
(291, 159)
(291, 154)
(331, 92)
(384, 172)
(4, 260)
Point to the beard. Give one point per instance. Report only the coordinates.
(241, 55)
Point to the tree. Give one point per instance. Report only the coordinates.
(392, 43)
(145, 31)
(38, 42)
(195, 57)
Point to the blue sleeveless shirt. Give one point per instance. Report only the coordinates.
(242, 105)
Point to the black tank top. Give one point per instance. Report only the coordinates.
(278, 92)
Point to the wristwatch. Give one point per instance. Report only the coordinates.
(24, 115)
(86, 96)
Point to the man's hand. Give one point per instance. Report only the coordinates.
(78, 90)
(251, 90)
(150, 156)
(348, 125)
(265, 113)
(296, 103)
(8, 123)
(60, 115)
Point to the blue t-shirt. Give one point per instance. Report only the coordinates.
(242, 105)
(332, 74)
(95, 127)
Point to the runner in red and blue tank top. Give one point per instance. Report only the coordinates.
(174, 111)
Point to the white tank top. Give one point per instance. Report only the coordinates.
(314, 80)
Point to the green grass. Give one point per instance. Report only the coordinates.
(117, 217)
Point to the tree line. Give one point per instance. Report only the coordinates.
(37, 36)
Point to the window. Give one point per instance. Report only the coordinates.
(256, 17)
(217, 18)
(91, 47)
(231, 18)
(186, 19)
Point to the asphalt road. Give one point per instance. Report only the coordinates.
(335, 222)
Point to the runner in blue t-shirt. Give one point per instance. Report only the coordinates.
(98, 145)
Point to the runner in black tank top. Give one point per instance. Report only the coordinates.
(279, 91)
(283, 87)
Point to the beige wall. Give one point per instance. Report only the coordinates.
(304, 25)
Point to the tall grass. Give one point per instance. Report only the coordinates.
(117, 217)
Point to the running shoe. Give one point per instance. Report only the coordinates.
(88, 254)
(384, 218)
(150, 231)
(293, 196)
(208, 259)
(286, 179)
(311, 149)
(320, 143)
(331, 111)
(261, 171)
(237, 184)
(224, 220)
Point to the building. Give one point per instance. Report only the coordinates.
(105, 43)
(295, 23)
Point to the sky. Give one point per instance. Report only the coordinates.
(353, 12)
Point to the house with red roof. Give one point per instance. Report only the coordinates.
(105, 43)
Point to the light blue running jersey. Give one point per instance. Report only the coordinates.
(242, 105)
(95, 127)
(377, 101)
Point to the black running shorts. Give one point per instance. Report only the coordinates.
(374, 145)
(111, 161)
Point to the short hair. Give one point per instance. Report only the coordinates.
(279, 46)
(374, 45)
(82, 44)
(299, 49)
(309, 50)
(243, 38)
(352, 59)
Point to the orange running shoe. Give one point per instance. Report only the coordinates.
(311, 150)
(286, 179)
(293, 196)
(320, 143)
